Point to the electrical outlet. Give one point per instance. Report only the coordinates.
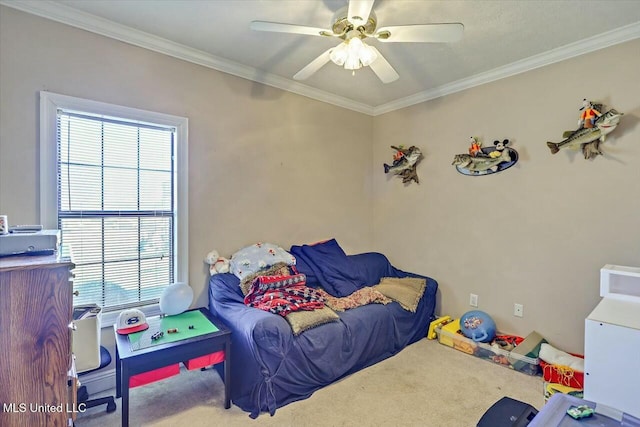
(518, 310)
(473, 300)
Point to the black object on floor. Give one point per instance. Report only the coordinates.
(83, 395)
(508, 412)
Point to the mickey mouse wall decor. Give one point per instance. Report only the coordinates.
(485, 160)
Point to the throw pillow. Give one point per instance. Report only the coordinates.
(406, 291)
(336, 272)
(251, 259)
(301, 321)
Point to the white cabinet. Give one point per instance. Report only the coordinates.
(612, 342)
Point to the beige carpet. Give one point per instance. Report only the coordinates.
(426, 384)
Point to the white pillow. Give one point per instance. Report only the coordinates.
(251, 259)
(554, 356)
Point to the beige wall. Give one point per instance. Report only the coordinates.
(273, 166)
(535, 234)
(264, 164)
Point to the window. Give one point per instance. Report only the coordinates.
(113, 181)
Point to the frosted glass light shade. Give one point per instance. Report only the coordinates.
(176, 298)
(367, 55)
(352, 63)
(353, 54)
(339, 54)
(353, 58)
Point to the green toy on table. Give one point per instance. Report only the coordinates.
(579, 412)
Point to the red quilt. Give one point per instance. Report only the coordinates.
(283, 294)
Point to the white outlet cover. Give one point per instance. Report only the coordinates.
(473, 300)
(518, 310)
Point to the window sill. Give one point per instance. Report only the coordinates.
(110, 318)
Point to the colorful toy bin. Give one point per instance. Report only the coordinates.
(450, 335)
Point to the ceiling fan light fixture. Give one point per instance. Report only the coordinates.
(352, 63)
(355, 44)
(353, 54)
(339, 54)
(367, 55)
(354, 23)
(354, 48)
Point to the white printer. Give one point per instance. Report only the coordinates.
(42, 242)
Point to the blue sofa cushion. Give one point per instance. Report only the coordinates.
(331, 266)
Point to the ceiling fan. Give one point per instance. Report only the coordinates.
(355, 23)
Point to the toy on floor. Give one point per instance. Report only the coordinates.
(478, 326)
(439, 322)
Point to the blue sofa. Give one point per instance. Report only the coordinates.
(271, 367)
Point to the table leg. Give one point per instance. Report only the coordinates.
(118, 373)
(124, 385)
(227, 374)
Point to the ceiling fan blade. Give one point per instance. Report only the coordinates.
(358, 12)
(383, 69)
(422, 33)
(277, 27)
(313, 66)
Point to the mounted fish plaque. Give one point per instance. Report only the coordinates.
(593, 127)
(485, 160)
(404, 163)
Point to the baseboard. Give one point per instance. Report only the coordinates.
(99, 381)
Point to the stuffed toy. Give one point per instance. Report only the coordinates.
(217, 264)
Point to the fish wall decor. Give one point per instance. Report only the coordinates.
(593, 127)
(404, 163)
(485, 160)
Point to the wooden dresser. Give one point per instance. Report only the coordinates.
(36, 368)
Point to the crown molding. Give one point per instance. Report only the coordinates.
(85, 21)
(73, 17)
(591, 44)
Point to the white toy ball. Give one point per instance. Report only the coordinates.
(176, 298)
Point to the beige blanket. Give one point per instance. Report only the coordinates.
(362, 296)
(406, 291)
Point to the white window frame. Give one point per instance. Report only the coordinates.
(49, 104)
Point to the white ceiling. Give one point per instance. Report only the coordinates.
(501, 38)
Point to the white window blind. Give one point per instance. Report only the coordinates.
(116, 207)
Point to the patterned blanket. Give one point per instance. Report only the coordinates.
(363, 296)
(283, 294)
